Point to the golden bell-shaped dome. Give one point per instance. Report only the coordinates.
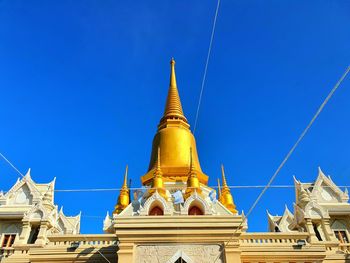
(174, 138)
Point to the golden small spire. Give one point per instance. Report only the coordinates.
(224, 183)
(226, 197)
(125, 185)
(193, 184)
(173, 107)
(158, 184)
(219, 189)
(123, 199)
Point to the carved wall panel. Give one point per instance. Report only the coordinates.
(198, 253)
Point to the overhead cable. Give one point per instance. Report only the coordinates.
(14, 167)
(302, 135)
(206, 65)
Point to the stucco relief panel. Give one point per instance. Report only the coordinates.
(201, 253)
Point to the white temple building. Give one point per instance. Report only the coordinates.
(28, 214)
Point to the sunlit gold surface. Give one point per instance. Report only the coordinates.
(219, 189)
(226, 197)
(123, 199)
(193, 184)
(158, 184)
(174, 139)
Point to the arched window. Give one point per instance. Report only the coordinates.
(156, 211)
(195, 211)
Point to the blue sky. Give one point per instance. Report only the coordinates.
(83, 86)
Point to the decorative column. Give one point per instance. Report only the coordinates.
(42, 233)
(231, 253)
(328, 231)
(310, 229)
(126, 252)
(23, 238)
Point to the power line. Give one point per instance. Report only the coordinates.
(14, 167)
(206, 65)
(178, 188)
(289, 154)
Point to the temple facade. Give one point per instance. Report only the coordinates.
(176, 217)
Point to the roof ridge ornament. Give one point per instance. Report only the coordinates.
(27, 175)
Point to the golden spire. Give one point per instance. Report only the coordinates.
(219, 189)
(158, 184)
(125, 186)
(173, 108)
(193, 184)
(226, 198)
(224, 183)
(123, 199)
(158, 169)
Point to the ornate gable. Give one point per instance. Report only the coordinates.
(26, 192)
(281, 223)
(68, 224)
(326, 191)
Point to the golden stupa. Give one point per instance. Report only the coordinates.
(174, 139)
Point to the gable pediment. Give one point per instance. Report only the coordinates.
(20, 196)
(325, 190)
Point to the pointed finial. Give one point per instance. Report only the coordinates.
(191, 160)
(173, 107)
(123, 199)
(224, 183)
(158, 183)
(295, 179)
(193, 184)
(126, 177)
(158, 158)
(219, 187)
(158, 172)
(27, 175)
(172, 73)
(226, 197)
(53, 182)
(320, 172)
(107, 221)
(268, 213)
